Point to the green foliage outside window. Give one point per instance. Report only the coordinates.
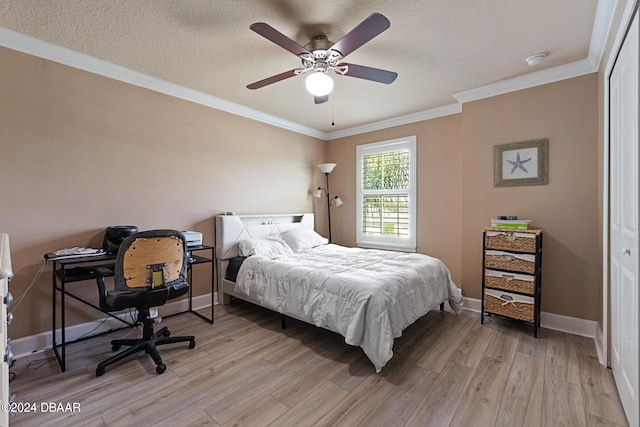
(386, 171)
(385, 202)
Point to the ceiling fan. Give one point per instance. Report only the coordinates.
(320, 55)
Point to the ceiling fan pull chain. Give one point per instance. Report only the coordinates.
(333, 110)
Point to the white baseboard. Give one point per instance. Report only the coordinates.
(557, 322)
(598, 340)
(43, 341)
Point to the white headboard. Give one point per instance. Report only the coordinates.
(230, 229)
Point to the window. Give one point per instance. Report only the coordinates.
(386, 194)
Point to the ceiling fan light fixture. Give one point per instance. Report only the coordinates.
(318, 83)
(321, 55)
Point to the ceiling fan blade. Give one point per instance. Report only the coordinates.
(320, 99)
(365, 31)
(369, 73)
(272, 79)
(270, 33)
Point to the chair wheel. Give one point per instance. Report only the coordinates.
(99, 372)
(161, 368)
(166, 333)
(115, 347)
(192, 344)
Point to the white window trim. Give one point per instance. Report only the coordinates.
(384, 242)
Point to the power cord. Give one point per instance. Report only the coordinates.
(132, 320)
(30, 367)
(19, 299)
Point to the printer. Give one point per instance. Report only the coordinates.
(193, 238)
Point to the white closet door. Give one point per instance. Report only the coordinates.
(624, 248)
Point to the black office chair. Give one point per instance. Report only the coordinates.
(150, 269)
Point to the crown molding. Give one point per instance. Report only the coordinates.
(602, 26)
(43, 49)
(433, 113)
(526, 81)
(605, 11)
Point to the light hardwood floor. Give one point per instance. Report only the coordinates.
(447, 370)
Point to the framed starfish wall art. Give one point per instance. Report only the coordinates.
(520, 163)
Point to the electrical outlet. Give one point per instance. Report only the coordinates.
(153, 312)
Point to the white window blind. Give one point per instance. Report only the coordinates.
(386, 194)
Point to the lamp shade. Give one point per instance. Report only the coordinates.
(339, 201)
(318, 193)
(319, 83)
(327, 167)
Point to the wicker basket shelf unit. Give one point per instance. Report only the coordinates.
(511, 274)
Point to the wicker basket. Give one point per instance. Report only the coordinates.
(511, 241)
(516, 310)
(509, 262)
(513, 284)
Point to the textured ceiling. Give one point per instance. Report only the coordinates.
(437, 47)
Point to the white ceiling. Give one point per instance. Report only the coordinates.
(444, 51)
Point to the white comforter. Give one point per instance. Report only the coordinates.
(368, 296)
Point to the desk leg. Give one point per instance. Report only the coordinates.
(54, 296)
(213, 281)
(213, 278)
(63, 338)
(189, 279)
(59, 354)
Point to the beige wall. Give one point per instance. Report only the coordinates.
(457, 197)
(567, 208)
(439, 163)
(80, 152)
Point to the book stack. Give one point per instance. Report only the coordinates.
(510, 223)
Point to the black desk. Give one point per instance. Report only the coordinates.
(69, 270)
(195, 260)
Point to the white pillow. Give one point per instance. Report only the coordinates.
(301, 239)
(268, 247)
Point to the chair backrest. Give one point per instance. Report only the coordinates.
(149, 259)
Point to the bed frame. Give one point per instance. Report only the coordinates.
(231, 229)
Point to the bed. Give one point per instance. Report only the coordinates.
(368, 296)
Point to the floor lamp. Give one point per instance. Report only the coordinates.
(327, 168)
